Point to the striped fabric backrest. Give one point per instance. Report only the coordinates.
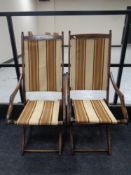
(42, 59)
(89, 58)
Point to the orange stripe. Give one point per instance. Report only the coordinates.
(80, 63)
(26, 113)
(102, 115)
(80, 112)
(51, 65)
(33, 66)
(107, 115)
(98, 64)
(47, 113)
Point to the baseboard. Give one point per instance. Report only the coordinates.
(10, 60)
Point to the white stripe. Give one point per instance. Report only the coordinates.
(90, 112)
(34, 120)
(113, 119)
(55, 113)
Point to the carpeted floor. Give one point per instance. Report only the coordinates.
(12, 163)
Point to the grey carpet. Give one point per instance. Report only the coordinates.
(12, 163)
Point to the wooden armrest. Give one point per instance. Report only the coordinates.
(122, 100)
(12, 97)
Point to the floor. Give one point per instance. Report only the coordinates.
(119, 163)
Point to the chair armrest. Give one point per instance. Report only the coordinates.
(11, 100)
(122, 100)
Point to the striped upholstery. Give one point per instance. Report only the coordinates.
(43, 59)
(40, 113)
(93, 112)
(89, 59)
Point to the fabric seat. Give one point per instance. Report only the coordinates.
(40, 113)
(93, 111)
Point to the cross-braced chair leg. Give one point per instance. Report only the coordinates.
(71, 140)
(23, 139)
(108, 131)
(24, 149)
(107, 149)
(60, 141)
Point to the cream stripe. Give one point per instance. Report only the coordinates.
(89, 63)
(106, 60)
(58, 64)
(55, 114)
(75, 110)
(113, 119)
(37, 113)
(73, 63)
(42, 66)
(90, 112)
(26, 60)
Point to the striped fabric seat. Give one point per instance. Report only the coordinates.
(40, 113)
(89, 59)
(92, 112)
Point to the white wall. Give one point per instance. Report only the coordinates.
(83, 24)
(20, 24)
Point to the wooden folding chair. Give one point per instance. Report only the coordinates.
(89, 69)
(42, 70)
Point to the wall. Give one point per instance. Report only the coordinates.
(20, 24)
(83, 24)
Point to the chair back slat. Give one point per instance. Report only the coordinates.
(89, 60)
(42, 60)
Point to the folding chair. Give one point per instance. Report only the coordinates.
(42, 71)
(89, 69)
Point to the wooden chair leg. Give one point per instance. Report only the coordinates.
(24, 142)
(23, 139)
(108, 131)
(60, 141)
(71, 140)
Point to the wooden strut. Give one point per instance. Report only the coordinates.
(24, 149)
(108, 149)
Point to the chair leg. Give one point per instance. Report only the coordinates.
(24, 142)
(60, 141)
(23, 139)
(71, 140)
(108, 131)
(108, 138)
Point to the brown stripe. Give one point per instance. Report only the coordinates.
(33, 66)
(103, 58)
(98, 64)
(100, 111)
(27, 113)
(80, 63)
(105, 112)
(42, 113)
(80, 112)
(51, 65)
(47, 113)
